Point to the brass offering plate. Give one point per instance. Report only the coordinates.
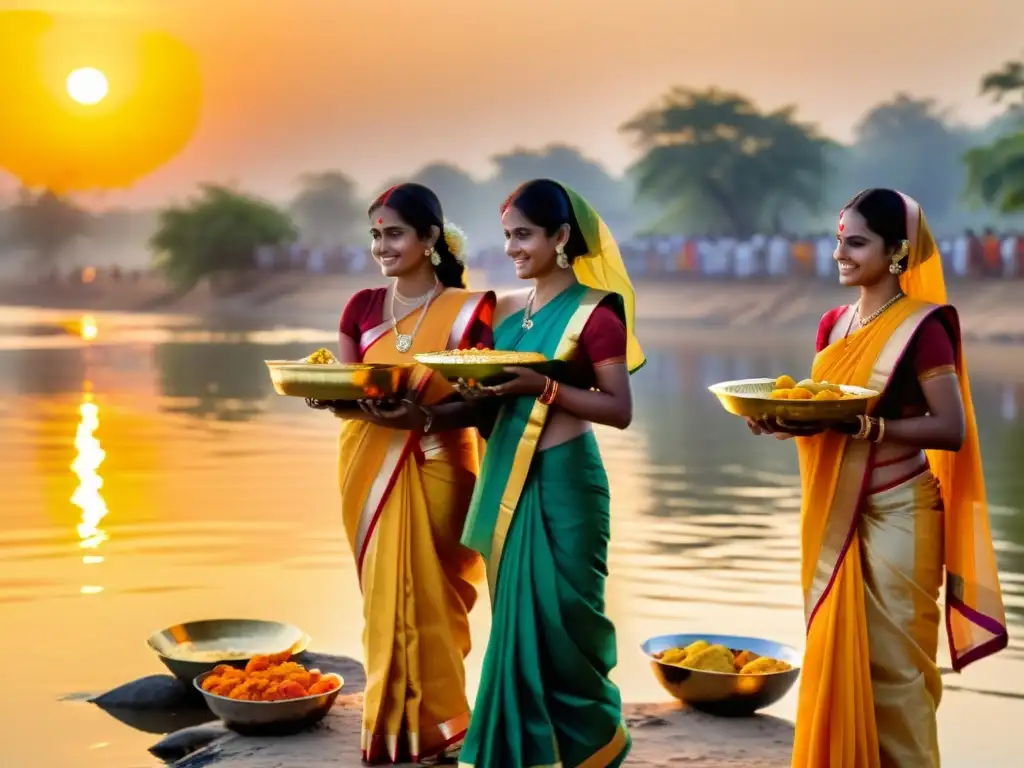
(336, 381)
(751, 399)
(483, 365)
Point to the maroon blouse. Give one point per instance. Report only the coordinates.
(365, 310)
(602, 342)
(931, 353)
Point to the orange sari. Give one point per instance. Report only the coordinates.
(404, 499)
(871, 565)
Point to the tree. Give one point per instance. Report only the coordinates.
(910, 144)
(1005, 83)
(46, 223)
(995, 172)
(610, 196)
(714, 155)
(216, 233)
(327, 208)
(465, 201)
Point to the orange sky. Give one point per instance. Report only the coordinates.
(379, 88)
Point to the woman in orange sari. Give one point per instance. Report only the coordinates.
(890, 500)
(406, 481)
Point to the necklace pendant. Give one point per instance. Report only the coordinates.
(527, 324)
(403, 342)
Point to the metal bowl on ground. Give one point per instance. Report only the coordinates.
(336, 381)
(269, 718)
(720, 693)
(196, 647)
(751, 399)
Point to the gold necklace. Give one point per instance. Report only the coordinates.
(528, 311)
(413, 301)
(878, 312)
(403, 341)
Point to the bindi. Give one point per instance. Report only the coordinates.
(379, 222)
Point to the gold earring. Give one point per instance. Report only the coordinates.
(899, 256)
(435, 257)
(560, 258)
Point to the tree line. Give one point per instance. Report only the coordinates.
(710, 162)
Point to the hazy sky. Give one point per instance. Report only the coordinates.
(377, 88)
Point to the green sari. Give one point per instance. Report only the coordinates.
(541, 521)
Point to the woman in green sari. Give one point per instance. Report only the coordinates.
(540, 510)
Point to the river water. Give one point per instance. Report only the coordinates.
(152, 476)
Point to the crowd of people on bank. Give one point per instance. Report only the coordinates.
(988, 254)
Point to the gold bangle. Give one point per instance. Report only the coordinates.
(881, 430)
(428, 418)
(865, 427)
(550, 393)
(546, 392)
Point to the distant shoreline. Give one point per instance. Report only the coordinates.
(730, 312)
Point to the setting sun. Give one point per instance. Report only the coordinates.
(87, 86)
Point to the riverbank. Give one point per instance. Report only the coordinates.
(991, 311)
(663, 735)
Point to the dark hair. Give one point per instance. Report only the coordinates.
(545, 203)
(420, 208)
(885, 213)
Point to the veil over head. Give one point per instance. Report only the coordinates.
(602, 268)
(975, 616)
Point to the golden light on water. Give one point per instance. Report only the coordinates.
(87, 86)
(87, 497)
(87, 328)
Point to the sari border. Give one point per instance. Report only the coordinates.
(400, 447)
(470, 312)
(527, 447)
(845, 512)
(999, 642)
(371, 336)
(601, 758)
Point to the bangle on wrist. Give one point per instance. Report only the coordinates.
(550, 392)
(428, 419)
(880, 433)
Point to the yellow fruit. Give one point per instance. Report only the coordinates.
(696, 647)
(801, 393)
(781, 394)
(810, 385)
(785, 382)
(827, 394)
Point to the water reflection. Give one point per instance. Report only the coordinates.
(208, 522)
(723, 524)
(226, 380)
(87, 497)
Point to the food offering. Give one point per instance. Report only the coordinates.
(786, 388)
(707, 657)
(272, 677)
(482, 365)
(786, 399)
(319, 376)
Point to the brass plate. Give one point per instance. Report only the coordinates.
(485, 366)
(198, 646)
(751, 399)
(336, 381)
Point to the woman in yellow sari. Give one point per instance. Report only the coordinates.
(889, 501)
(406, 481)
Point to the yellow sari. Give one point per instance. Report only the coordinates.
(404, 498)
(871, 564)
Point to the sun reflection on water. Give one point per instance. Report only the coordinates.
(87, 496)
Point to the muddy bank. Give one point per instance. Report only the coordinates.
(663, 735)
